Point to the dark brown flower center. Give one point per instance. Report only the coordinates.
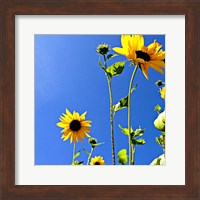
(143, 55)
(75, 125)
(97, 163)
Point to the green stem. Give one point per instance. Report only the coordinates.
(74, 152)
(89, 157)
(111, 115)
(163, 145)
(131, 146)
(111, 122)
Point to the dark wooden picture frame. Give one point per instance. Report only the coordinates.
(9, 9)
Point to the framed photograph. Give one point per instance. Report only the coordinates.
(85, 85)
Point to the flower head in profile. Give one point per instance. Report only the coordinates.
(97, 160)
(74, 126)
(162, 92)
(144, 57)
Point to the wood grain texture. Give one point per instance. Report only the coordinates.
(10, 8)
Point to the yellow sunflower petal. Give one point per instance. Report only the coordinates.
(158, 56)
(87, 135)
(144, 69)
(125, 39)
(71, 138)
(137, 42)
(85, 129)
(86, 121)
(66, 132)
(140, 42)
(154, 47)
(68, 113)
(158, 63)
(157, 69)
(65, 119)
(82, 117)
(61, 124)
(120, 51)
(76, 116)
(67, 136)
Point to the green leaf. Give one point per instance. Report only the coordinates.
(163, 133)
(159, 160)
(157, 108)
(159, 140)
(86, 152)
(77, 154)
(125, 130)
(100, 63)
(123, 103)
(98, 144)
(111, 56)
(115, 69)
(76, 162)
(138, 142)
(139, 132)
(122, 156)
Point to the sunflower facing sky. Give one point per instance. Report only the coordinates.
(97, 160)
(144, 57)
(74, 126)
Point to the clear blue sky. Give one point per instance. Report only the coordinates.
(67, 75)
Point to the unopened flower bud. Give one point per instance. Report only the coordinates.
(159, 83)
(92, 140)
(159, 123)
(103, 49)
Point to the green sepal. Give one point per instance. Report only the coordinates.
(122, 156)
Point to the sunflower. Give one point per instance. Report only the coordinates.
(97, 160)
(162, 92)
(74, 126)
(144, 57)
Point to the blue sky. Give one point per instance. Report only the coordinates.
(67, 75)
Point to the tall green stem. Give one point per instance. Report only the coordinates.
(111, 122)
(111, 115)
(131, 146)
(74, 152)
(89, 157)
